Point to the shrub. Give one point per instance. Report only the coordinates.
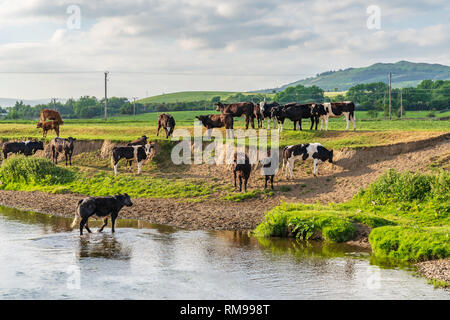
(33, 171)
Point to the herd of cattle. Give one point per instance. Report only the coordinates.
(141, 148)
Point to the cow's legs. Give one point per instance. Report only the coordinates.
(157, 130)
(87, 227)
(245, 183)
(326, 123)
(271, 181)
(105, 222)
(234, 172)
(312, 123)
(316, 167)
(347, 118)
(354, 122)
(113, 221)
(321, 124)
(139, 167)
(82, 223)
(240, 182)
(291, 168)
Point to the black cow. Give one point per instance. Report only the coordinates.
(60, 145)
(313, 151)
(102, 207)
(138, 153)
(294, 112)
(26, 148)
(266, 111)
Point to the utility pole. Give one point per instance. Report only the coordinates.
(390, 101)
(54, 103)
(134, 105)
(106, 94)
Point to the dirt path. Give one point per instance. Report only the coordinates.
(336, 183)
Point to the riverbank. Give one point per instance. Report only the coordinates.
(436, 271)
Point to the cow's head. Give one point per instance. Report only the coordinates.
(148, 148)
(203, 120)
(124, 199)
(219, 106)
(39, 125)
(276, 112)
(38, 145)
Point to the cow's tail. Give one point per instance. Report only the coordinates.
(77, 215)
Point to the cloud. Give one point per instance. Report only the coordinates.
(220, 45)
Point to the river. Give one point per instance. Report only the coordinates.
(41, 258)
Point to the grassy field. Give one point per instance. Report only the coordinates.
(409, 215)
(127, 128)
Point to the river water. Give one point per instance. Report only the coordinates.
(41, 258)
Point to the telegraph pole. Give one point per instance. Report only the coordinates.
(106, 94)
(390, 101)
(134, 105)
(54, 103)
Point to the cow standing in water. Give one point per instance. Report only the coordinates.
(308, 151)
(335, 110)
(167, 122)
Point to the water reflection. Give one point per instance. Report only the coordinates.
(103, 246)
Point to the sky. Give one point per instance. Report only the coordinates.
(58, 48)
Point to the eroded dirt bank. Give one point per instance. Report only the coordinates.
(336, 183)
(437, 270)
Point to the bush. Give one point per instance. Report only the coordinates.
(406, 187)
(33, 171)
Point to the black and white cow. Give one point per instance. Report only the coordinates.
(308, 151)
(266, 111)
(138, 153)
(335, 110)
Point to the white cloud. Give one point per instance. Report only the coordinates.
(273, 42)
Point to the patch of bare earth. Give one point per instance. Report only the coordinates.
(435, 270)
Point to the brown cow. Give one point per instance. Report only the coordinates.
(51, 115)
(47, 126)
(217, 121)
(238, 109)
(258, 115)
(241, 169)
(167, 122)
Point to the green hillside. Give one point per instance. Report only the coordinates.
(190, 96)
(405, 74)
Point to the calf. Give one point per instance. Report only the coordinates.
(167, 122)
(335, 110)
(258, 115)
(60, 145)
(130, 153)
(26, 148)
(266, 111)
(47, 126)
(142, 141)
(217, 121)
(241, 169)
(102, 207)
(313, 151)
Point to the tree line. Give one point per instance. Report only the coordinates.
(428, 95)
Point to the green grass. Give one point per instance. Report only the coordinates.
(241, 196)
(409, 214)
(37, 174)
(126, 128)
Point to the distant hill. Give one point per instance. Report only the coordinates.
(9, 102)
(405, 74)
(190, 96)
